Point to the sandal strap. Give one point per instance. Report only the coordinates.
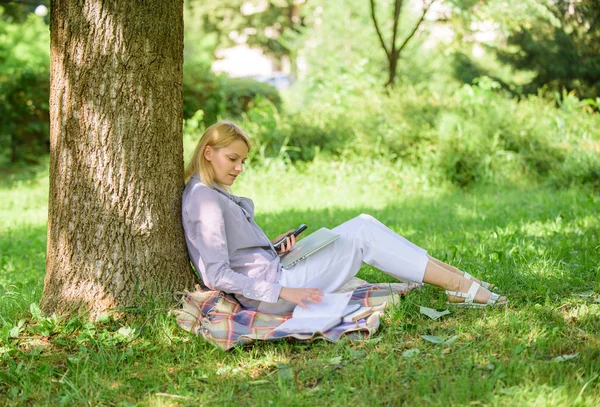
(493, 299)
(484, 284)
(456, 294)
(472, 291)
(469, 296)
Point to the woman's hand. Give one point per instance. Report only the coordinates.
(299, 295)
(287, 245)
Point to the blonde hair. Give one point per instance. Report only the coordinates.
(219, 135)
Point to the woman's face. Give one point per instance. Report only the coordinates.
(227, 162)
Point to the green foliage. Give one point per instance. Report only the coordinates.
(220, 96)
(20, 11)
(563, 48)
(24, 117)
(24, 89)
(581, 166)
(550, 45)
(200, 43)
(272, 26)
(442, 130)
(343, 45)
(476, 134)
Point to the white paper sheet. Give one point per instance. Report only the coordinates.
(317, 317)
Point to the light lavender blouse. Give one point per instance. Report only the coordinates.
(229, 250)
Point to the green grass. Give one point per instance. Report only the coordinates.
(539, 245)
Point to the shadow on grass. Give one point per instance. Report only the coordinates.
(22, 269)
(485, 233)
(283, 373)
(11, 175)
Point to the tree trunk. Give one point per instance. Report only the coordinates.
(392, 68)
(116, 155)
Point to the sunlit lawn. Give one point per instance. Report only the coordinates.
(539, 245)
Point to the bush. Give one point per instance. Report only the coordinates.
(581, 166)
(24, 117)
(315, 131)
(220, 96)
(475, 134)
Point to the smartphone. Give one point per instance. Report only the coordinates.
(294, 232)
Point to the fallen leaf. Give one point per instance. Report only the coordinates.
(433, 314)
(438, 340)
(563, 358)
(222, 371)
(285, 372)
(261, 381)
(432, 339)
(104, 317)
(173, 396)
(409, 353)
(357, 353)
(450, 340)
(335, 361)
(15, 330)
(126, 331)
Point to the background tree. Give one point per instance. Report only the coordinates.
(18, 10)
(394, 48)
(561, 48)
(271, 25)
(552, 45)
(114, 230)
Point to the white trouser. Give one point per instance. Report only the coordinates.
(362, 240)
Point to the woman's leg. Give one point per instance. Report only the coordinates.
(384, 249)
(365, 239)
(402, 240)
(449, 280)
(451, 268)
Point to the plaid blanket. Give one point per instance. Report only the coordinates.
(221, 320)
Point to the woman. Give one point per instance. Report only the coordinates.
(234, 255)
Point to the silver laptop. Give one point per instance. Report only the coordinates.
(307, 246)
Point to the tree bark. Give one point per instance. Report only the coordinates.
(392, 68)
(116, 155)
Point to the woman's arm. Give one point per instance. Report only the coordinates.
(287, 245)
(205, 230)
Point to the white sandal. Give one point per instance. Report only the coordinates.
(484, 284)
(470, 297)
